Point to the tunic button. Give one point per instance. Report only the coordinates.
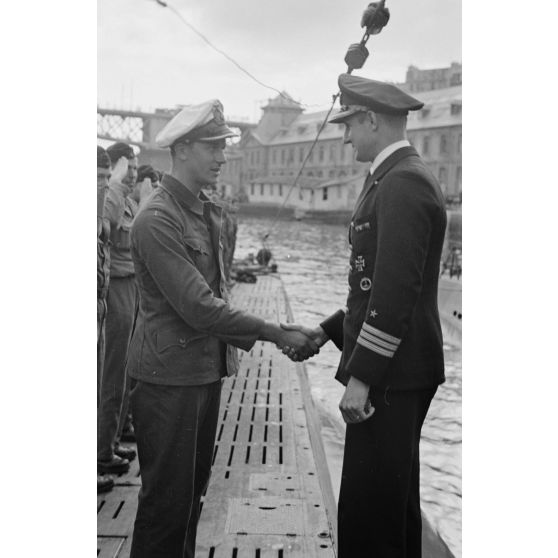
(182, 341)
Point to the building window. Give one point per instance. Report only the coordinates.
(425, 145)
(324, 194)
(443, 144)
(282, 156)
(274, 156)
(300, 154)
(252, 189)
(271, 189)
(280, 189)
(291, 155)
(339, 191)
(459, 144)
(311, 157)
(332, 153)
(261, 189)
(321, 153)
(331, 173)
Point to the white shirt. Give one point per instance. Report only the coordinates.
(386, 152)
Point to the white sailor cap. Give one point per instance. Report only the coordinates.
(203, 122)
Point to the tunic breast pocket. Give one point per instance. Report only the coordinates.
(199, 252)
(120, 237)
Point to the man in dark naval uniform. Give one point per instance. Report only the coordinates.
(390, 336)
(186, 334)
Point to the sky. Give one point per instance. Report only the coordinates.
(147, 57)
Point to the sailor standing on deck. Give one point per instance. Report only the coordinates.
(390, 336)
(186, 334)
(104, 484)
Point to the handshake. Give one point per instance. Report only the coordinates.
(300, 343)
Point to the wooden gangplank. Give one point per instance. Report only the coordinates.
(270, 493)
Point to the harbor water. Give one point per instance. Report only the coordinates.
(312, 259)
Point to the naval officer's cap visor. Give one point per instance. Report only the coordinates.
(346, 111)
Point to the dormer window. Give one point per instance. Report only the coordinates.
(455, 108)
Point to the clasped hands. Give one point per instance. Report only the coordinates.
(299, 342)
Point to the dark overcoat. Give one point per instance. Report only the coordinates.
(390, 332)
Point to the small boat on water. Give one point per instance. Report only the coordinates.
(299, 213)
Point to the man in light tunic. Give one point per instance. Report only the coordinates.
(186, 336)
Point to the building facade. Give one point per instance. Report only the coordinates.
(435, 132)
(428, 80)
(263, 166)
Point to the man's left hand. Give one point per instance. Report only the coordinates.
(355, 404)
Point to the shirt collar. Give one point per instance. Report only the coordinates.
(386, 152)
(184, 196)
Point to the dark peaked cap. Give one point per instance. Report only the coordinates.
(358, 94)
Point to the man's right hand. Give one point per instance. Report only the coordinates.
(119, 173)
(317, 334)
(303, 345)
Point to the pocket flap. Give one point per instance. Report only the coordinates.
(196, 244)
(175, 338)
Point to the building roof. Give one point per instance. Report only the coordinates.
(437, 111)
(284, 100)
(305, 128)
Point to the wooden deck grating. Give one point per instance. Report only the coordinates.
(270, 494)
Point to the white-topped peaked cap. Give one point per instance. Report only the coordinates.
(203, 122)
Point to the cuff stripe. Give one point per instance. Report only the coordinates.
(380, 342)
(371, 346)
(379, 333)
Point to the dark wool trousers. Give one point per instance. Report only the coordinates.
(175, 432)
(379, 502)
(122, 305)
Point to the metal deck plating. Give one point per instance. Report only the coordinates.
(270, 494)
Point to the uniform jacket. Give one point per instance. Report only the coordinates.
(103, 271)
(184, 322)
(390, 332)
(120, 211)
